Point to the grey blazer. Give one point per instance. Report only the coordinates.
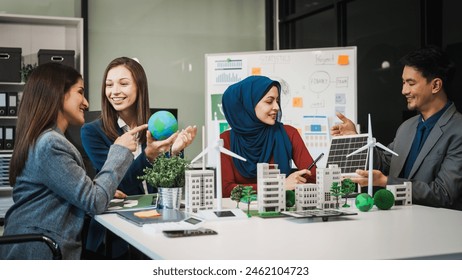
(52, 195)
(437, 172)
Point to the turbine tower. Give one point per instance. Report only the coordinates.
(371, 143)
(218, 147)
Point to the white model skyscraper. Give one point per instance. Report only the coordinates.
(199, 190)
(324, 179)
(271, 195)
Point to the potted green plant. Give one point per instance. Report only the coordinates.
(26, 70)
(168, 175)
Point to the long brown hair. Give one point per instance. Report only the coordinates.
(42, 99)
(109, 114)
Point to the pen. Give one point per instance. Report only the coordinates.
(315, 161)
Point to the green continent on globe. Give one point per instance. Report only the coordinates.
(159, 125)
(364, 202)
(162, 125)
(384, 199)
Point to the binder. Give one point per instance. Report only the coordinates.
(12, 103)
(3, 104)
(8, 137)
(1, 138)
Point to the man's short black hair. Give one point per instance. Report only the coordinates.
(432, 62)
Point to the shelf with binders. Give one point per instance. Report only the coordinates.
(10, 95)
(31, 34)
(7, 133)
(4, 171)
(9, 101)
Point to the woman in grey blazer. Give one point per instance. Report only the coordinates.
(51, 191)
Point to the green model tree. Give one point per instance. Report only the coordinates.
(248, 195)
(346, 189)
(236, 194)
(335, 190)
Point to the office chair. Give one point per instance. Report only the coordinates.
(21, 238)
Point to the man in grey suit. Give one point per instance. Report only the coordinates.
(429, 145)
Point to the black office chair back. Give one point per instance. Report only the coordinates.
(21, 238)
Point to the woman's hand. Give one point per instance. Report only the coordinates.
(119, 194)
(184, 139)
(297, 177)
(130, 139)
(155, 148)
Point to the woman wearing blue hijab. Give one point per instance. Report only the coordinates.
(253, 111)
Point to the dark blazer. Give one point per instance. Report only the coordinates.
(96, 145)
(437, 172)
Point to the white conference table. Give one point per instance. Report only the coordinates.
(403, 232)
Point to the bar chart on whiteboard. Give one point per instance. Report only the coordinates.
(229, 71)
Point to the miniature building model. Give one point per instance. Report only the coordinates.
(271, 195)
(324, 179)
(306, 196)
(199, 190)
(402, 193)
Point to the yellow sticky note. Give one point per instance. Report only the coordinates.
(256, 71)
(343, 59)
(147, 214)
(297, 102)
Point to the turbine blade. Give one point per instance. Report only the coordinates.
(369, 128)
(201, 154)
(360, 149)
(385, 148)
(228, 152)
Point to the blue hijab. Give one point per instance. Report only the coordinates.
(251, 138)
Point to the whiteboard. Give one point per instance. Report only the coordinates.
(315, 83)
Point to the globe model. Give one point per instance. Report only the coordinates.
(384, 199)
(162, 124)
(364, 202)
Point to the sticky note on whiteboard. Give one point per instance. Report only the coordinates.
(256, 71)
(297, 102)
(343, 59)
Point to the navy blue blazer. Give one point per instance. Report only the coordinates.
(96, 145)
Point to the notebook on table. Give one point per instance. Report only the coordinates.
(166, 216)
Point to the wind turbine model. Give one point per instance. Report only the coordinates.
(371, 143)
(218, 147)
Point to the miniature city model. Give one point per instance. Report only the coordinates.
(271, 195)
(199, 190)
(306, 196)
(402, 193)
